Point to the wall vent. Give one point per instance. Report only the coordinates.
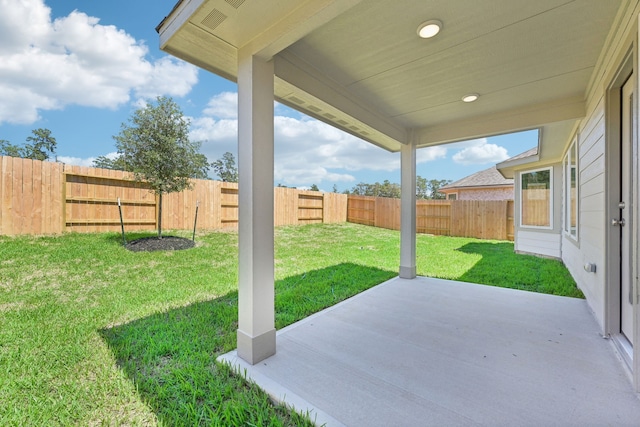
(235, 3)
(214, 19)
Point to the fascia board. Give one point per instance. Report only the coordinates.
(516, 120)
(300, 75)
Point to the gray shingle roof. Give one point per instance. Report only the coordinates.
(485, 178)
(489, 177)
(532, 152)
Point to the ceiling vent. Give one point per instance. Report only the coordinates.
(214, 19)
(296, 100)
(314, 108)
(235, 3)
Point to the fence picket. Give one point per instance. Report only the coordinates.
(50, 198)
(462, 218)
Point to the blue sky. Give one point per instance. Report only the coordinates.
(80, 68)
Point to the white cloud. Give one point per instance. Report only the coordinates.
(480, 152)
(430, 154)
(307, 151)
(47, 64)
(80, 161)
(168, 77)
(76, 161)
(112, 156)
(223, 106)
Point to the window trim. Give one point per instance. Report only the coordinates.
(551, 192)
(567, 166)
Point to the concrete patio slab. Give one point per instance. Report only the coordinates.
(429, 352)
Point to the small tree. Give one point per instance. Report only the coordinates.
(422, 189)
(434, 188)
(40, 146)
(104, 162)
(314, 188)
(8, 149)
(155, 145)
(116, 163)
(226, 168)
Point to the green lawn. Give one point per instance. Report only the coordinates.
(92, 334)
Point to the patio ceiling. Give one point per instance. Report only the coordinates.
(360, 66)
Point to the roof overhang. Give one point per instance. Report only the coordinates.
(552, 140)
(359, 65)
(474, 187)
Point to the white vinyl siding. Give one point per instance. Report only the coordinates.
(533, 242)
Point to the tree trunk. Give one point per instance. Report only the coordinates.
(160, 215)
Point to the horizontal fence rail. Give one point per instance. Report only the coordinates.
(462, 218)
(51, 198)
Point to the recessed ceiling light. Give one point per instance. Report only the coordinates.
(470, 97)
(428, 29)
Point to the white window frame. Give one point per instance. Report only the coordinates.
(539, 227)
(455, 195)
(567, 165)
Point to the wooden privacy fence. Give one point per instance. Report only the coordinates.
(463, 218)
(51, 198)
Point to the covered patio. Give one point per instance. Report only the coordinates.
(426, 351)
(436, 352)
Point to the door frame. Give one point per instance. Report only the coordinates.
(627, 187)
(612, 321)
(635, 215)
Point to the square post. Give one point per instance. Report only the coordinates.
(408, 211)
(256, 305)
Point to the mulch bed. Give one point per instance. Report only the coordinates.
(166, 243)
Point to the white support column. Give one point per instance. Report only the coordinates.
(408, 212)
(256, 305)
(635, 251)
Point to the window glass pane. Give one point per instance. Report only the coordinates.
(566, 167)
(536, 198)
(453, 196)
(573, 189)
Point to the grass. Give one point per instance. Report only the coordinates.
(92, 334)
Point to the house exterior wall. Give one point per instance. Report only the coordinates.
(533, 242)
(540, 241)
(591, 245)
(502, 193)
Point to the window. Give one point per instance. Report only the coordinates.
(452, 196)
(536, 198)
(571, 190)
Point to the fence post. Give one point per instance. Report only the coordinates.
(64, 199)
(324, 206)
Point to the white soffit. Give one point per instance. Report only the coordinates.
(362, 62)
(552, 140)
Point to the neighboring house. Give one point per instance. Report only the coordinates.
(488, 184)
(567, 68)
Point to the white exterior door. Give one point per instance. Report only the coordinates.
(623, 221)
